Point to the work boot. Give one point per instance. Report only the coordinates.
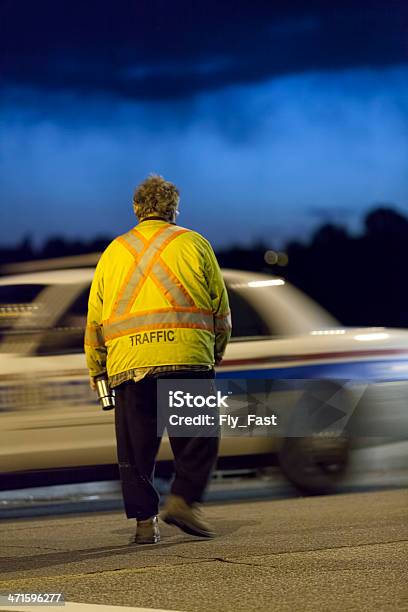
(186, 517)
(147, 532)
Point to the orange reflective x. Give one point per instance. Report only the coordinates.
(148, 263)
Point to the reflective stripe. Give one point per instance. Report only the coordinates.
(171, 287)
(223, 323)
(154, 320)
(130, 242)
(132, 280)
(133, 241)
(94, 336)
(144, 262)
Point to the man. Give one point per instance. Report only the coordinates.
(158, 307)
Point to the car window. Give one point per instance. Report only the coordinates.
(75, 316)
(67, 336)
(18, 295)
(17, 305)
(246, 322)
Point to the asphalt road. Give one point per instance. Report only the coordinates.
(343, 552)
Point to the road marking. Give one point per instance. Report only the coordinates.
(81, 607)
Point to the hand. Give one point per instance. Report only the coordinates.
(92, 383)
(218, 360)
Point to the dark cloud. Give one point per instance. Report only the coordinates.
(161, 49)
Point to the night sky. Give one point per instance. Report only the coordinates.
(271, 117)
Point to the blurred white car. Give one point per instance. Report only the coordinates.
(50, 419)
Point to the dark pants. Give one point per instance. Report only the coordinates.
(138, 443)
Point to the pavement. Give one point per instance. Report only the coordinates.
(341, 552)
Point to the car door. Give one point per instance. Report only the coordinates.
(50, 418)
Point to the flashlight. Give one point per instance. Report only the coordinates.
(105, 394)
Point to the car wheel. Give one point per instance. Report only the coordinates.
(315, 465)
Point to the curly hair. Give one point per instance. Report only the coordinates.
(155, 196)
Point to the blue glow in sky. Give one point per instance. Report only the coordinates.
(265, 160)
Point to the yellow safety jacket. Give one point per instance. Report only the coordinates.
(157, 298)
